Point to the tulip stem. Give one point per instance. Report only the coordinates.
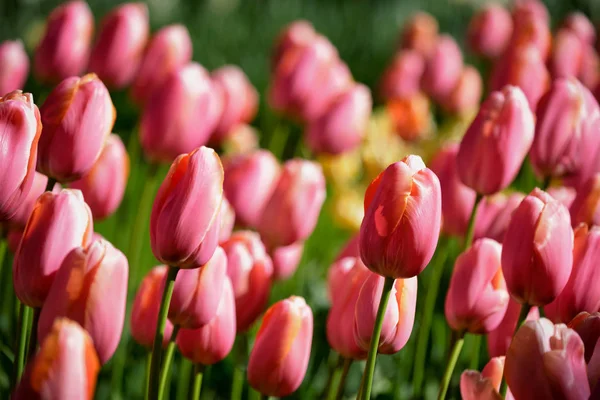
(166, 368)
(50, 184)
(241, 352)
(198, 374)
(475, 354)
(21, 345)
(332, 373)
(458, 344)
(546, 183)
(147, 380)
(345, 369)
(525, 308)
(183, 383)
(153, 385)
(471, 227)
(33, 336)
(370, 367)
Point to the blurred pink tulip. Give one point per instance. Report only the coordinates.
(585, 209)
(227, 218)
(442, 68)
(77, 118)
(65, 46)
(169, 49)
(119, 48)
(336, 81)
(567, 55)
(19, 220)
(402, 79)
(493, 215)
(496, 143)
(403, 213)
(338, 274)
(14, 66)
(579, 24)
(587, 327)
(103, 186)
(531, 27)
(90, 288)
(144, 311)
(457, 199)
(286, 260)
(242, 140)
(484, 385)
(20, 130)
(489, 31)
(290, 215)
(59, 223)
(279, 358)
(212, 342)
(499, 339)
(65, 367)
(589, 74)
(249, 182)
(537, 253)
(297, 34)
(343, 125)
(399, 315)
(197, 293)
(180, 115)
(184, 223)
(466, 94)
(545, 361)
(530, 8)
(565, 195)
(420, 33)
(250, 270)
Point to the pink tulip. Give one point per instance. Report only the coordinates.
(170, 123)
(493, 215)
(587, 327)
(59, 223)
(120, 44)
(144, 312)
(14, 66)
(530, 8)
(585, 209)
(184, 224)
(466, 94)
(297, 34)
(537, 253)
(496, 143)
(65, 46)
(578, 23)
(19, 220)
(169, 49)
(484, 385)
(546, 361)
(399, 315)
(420, 33)
(65, 367)
(499, 339)
(442, 68)
(402, 79)
(290, 215)
(565, 195)
(589, 73)
(227, 218)
(250, 270)
(457, 199)
(286, 260)
(531, 28)
(91, 289)
(21, 129)
(249, 182)
(197, 293)
(489, 31)
(212, 342)
(336, 81)
(343, 125)
(281, 351)
(403, 212)
(77, 118)
(567, 55)
(103, 186)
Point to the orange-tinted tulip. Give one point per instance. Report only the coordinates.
(531, 27)
(411, 118)
(14, 66)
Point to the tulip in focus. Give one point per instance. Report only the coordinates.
(403, 212)
(77, 118)
(14, 66)
(466, 94)
(120, 45)
(442, 68)
(537, 252)
(499, 339)
(484, 385)
(411, 118)
(19, 220)
(585, 209)
(279, 358)
(496, 143)
(286, 260)
(489, 31)
(420, 33)
(64, 49)
(493, 215)
(402, 79)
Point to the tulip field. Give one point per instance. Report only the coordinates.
(225, 199)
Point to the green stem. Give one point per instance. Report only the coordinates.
(147, 380)
(546, 183)
(345, 369)
(471, 227)
(253, 394)
(166, 368)
(185, 370)
(33, 335)
(238, 383)
(50, 184)
(21, 345)
(474, 364)
(370, 367)
(332, 375)
(153, 385)
(450, 366)
(240, 354)
(198, 374)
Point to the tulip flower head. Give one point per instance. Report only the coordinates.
(402, 79)
(578, 23)
(586, 206)
(466, 94)
(493, 215)
(286, 260)
(587, 327)
(297, 34)
(14, 66)
(442, 68)
(489, 31)
(420, 33)
(484, 385)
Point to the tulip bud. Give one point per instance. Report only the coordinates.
(19, 220)
(281, 351)
(587, 327)
(227, 218)
(58, 223)
(146, 305)
(103, 186)
(537, 253)
(588, 160)
(286, 260)
(120, 45)
(589, 73)
(20, 120)
(250, 270)
(65, 46)
(567, 55)
(403, 213)
(77, 118)
(184, 221)
(197, 293)
(242, 140)
(343, 125)
(402, 79)
(65, 367)
(493, 215)
(489, 31)
(420, 33)
(496, 143)
(169, 49)
(546, 361)
(290, 215)
(579, 24)
(297, 34)
(14, 66)
(565, 195)
(484, 385)
(336, 81)
(466, 94)
(91, 289)
(457, 199)
(442, 68)
(530, 8)
(249, 182)
(531, 28)
(499, 339)
(411, 118)
(586, 206)
(399, 315)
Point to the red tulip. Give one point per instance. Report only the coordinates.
(286, 260)
(14, 66)
(587, 327)
(403, 213)
(281, 351)
(13, 238)
(493, 215)
(499, 339)
(442, 68)
(484, 385)
(466, 94)
(402, 79)
(578, 23)
(489, 31)
(297, 34)
(586, 206)
(420, 33)
(496, 143)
